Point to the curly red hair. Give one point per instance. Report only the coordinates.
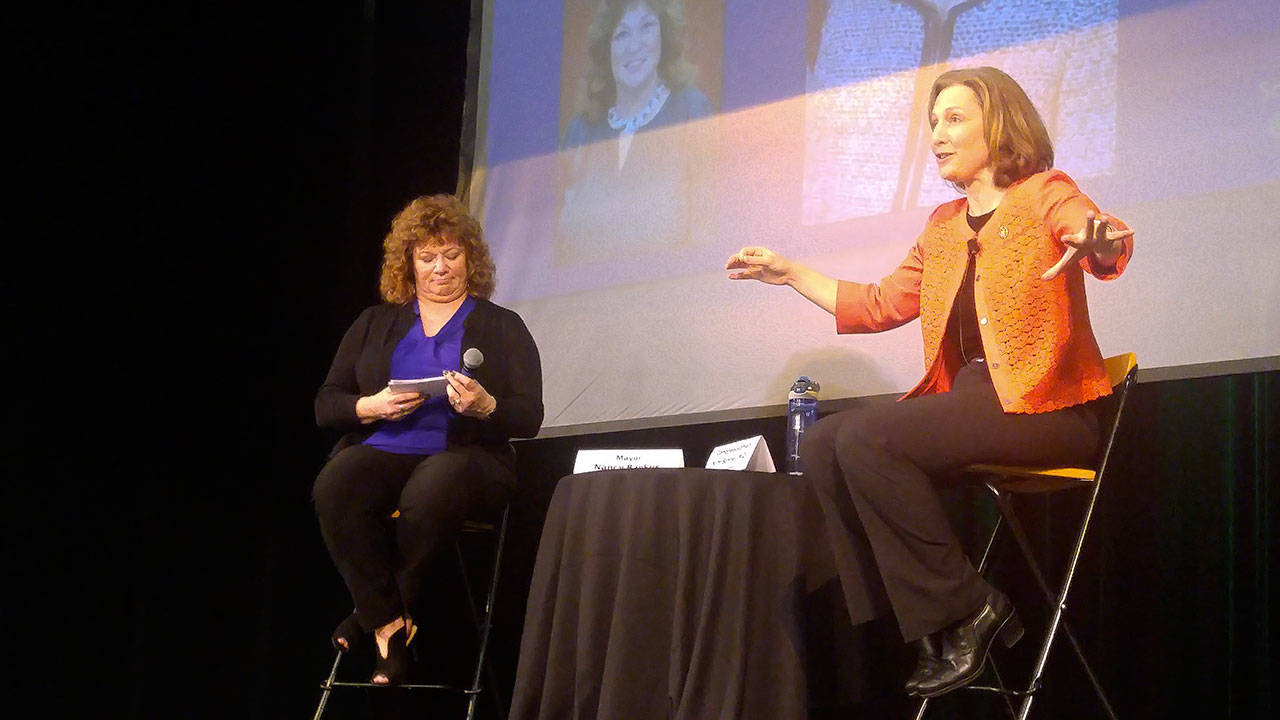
(434, 220)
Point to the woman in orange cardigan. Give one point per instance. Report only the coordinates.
(997, 280)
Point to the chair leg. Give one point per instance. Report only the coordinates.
(1058, 602)
(1093, 679)
(466, 587)
(327, 687)
(991, 541)
(1004, 692)
(482, 664)
(982, 569)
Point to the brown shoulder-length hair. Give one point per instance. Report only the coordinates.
(1017, 140)
(431, 220)
(598, 91)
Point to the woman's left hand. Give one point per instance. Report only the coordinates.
(468, 397)
(1097, 237)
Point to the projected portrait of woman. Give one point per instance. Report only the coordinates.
(631, 152)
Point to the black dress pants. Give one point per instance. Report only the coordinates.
(383, 562)
(873, 469)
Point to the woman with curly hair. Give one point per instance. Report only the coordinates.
(997, 282)
(627, 184)
(437, 460)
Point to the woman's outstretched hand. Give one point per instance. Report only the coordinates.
(1097, 237)
(759, 263)
(468, 397)
(387, 405)
(767, 266)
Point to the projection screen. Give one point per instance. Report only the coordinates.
(801, 126)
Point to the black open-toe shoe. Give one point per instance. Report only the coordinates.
(348, 635)
(395, 666)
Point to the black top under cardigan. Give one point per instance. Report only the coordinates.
(511, 373)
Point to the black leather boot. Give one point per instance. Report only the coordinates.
(965, 646)
(928, 659)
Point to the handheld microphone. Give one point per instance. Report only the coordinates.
(471, 359)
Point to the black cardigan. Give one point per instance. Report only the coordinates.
(511, 373)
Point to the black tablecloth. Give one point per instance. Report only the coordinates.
(676, 594)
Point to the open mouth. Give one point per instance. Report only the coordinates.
(943, 157)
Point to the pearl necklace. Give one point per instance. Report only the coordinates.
(642, 118)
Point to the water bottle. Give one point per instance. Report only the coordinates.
(802, 411)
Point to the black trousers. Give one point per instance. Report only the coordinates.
(873, 469)
(383, 562)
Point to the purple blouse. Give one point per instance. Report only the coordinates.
(424, 431)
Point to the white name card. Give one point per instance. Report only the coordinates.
(749, 454)
(592, 460)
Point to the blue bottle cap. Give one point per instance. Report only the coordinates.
(803, 387)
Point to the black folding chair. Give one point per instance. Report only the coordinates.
(482, 618)
(1003, 481)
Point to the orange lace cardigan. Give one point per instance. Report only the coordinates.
(1035, 333)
